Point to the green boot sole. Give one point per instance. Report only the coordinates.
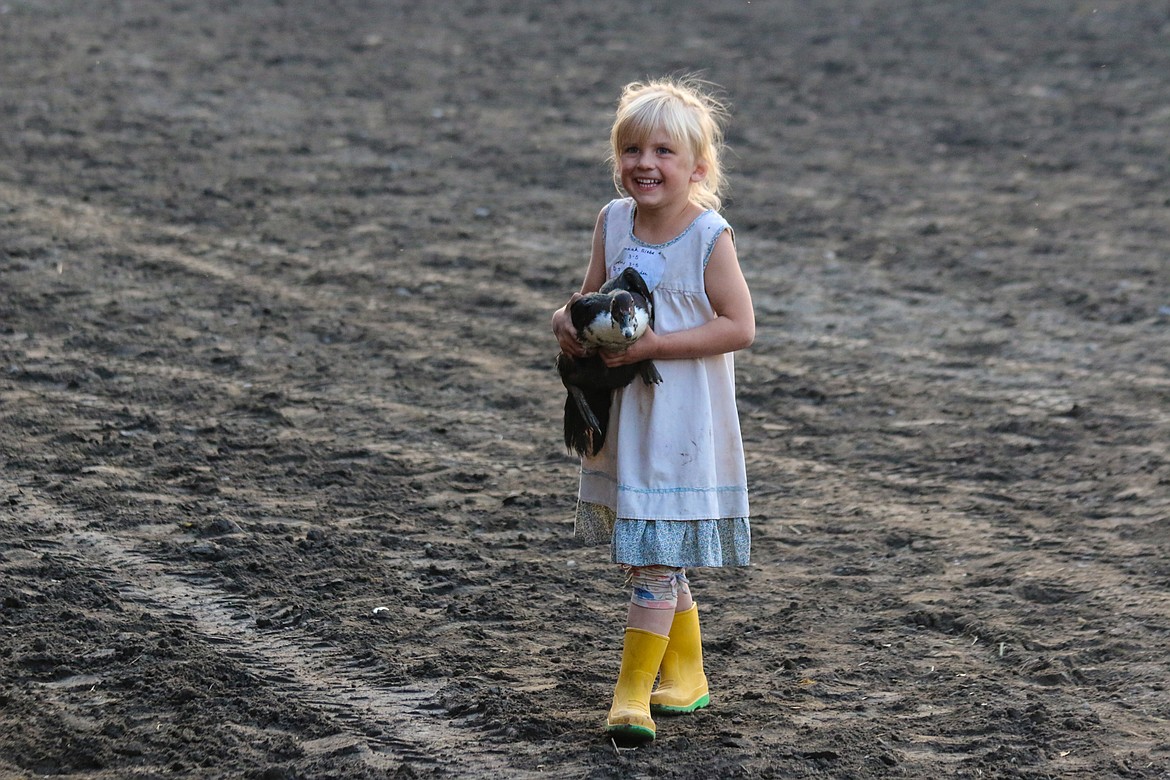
(666, 709)
(627, 734)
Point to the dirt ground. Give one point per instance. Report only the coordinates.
(283, 488)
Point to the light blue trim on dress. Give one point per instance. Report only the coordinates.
(605, 222)
(711, 244)
(655, 491)
(675, 240)
(664, 491)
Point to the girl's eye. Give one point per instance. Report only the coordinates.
(663, 150)
(630, 150)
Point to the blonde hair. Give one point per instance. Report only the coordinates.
(689, 113)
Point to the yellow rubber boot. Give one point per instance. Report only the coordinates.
(629, 717)
(682, 685)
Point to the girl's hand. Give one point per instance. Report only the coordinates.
(566, 334)
(645, 348)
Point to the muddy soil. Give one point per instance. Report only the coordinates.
(283, 493)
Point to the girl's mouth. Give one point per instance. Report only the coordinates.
(647, 183)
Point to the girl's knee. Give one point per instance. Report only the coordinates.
(656, 587)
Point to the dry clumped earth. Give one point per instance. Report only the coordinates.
(283, 494)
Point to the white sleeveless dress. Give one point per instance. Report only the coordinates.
(670, 485)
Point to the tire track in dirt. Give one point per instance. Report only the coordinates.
(385, 727)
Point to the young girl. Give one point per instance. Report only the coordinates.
(668, 489)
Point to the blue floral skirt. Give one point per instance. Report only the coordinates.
(685, 543)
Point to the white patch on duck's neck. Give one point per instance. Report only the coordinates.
(604, 333)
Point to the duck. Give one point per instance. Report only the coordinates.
(613, 318)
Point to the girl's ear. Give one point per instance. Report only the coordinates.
(700, 172)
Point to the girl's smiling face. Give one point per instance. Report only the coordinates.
(658, 172)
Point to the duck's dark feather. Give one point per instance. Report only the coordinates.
(612, 318)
